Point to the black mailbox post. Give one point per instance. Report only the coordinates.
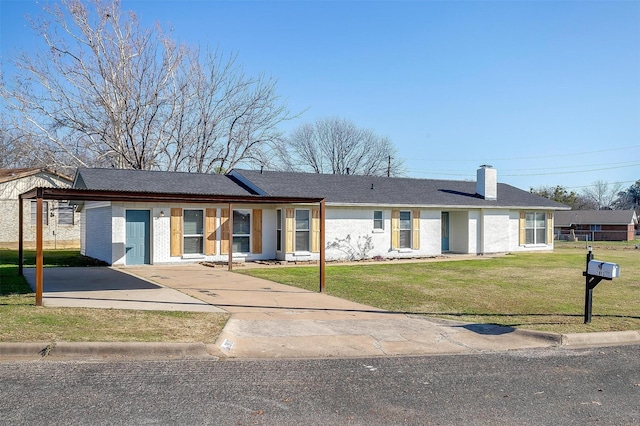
(595, 272)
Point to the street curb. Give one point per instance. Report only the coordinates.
(542, 335)
(105, 350)
(599, 338)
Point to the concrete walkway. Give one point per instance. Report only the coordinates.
(271, 320)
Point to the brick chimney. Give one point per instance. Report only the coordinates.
(487, 182)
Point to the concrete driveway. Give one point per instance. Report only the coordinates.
(110, 288)
(271, 320)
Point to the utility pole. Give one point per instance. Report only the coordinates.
(389, 167)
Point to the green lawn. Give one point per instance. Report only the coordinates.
(540, 291)
(22, 321)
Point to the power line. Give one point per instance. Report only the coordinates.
(461, 172)
(572, 154)
(589, 186)
(455, 173)
(571, 172)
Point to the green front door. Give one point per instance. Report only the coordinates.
(445, 231)
(137, 239)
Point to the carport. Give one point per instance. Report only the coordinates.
(76, 195)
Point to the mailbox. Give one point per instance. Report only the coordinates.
(606, 270)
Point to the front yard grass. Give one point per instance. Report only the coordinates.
(537, 291)
(22, 321)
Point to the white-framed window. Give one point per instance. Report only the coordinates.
(405, 229)
(535, 228)
(378, 221)
(241, 231)
(193, 231)
(303, 230)
(45, 212)
(65, 213)
(279, 229)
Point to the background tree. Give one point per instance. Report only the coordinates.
(560, 194)
(602, 194)
(338, 146)
(105, 91)
(629, 198)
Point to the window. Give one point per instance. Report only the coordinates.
(378, 222)
(45, 212)
(405, 229)
(241, 231)
(595, 228)
(65, 213)
(302, 230)
(193, 231)
(535, 228)
(279, 230)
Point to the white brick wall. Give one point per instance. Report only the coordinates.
(467, 229)
(495, 231)
(97, 243)
(54, 235)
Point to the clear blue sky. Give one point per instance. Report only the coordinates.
(548, 92)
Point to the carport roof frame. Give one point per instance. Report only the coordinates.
(99, 195)
(75, 194)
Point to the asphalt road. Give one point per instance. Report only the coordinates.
(532, 387)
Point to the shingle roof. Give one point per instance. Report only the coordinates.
(595, 217)
(157, 182)
(336, 189)
(7, 175)
(371, 190)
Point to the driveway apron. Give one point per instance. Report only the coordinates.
(271, 320)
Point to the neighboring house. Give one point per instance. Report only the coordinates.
(365, 216)
(61, 224)
(596, 225)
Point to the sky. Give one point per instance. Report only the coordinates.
(547, 92)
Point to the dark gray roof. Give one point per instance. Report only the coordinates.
(595, 217)
(157, 182)
(372, 190)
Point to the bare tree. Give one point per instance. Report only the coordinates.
(338, 146)
(629, 198)
(562, 195)
(108, 92)
(602, 194)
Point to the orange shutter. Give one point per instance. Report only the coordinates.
(415, 228)
(224, 224)
(549, 227)
(210, 231)
(395, 229)
(315, 230)
(256, 231)
(290, 231)
(522, 226)
(176, 232)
